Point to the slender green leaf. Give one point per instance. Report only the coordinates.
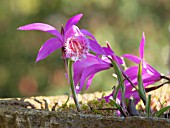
(161, 111)
(148, 103)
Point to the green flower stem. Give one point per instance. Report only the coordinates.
(70, 63)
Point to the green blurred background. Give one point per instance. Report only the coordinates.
(121, 22)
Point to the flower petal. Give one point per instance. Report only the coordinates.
(151, 79)
(133, 58)
(48, 47)
(73, 21)
(152, 70)
(87, 33)
(141, 47)
(108, 51)
(147, 77)
(132, 71)
(95, 47)
(73, 31)
(89, 81)
(41, 27)
(119, 60)
(90, 71)
(80, 65)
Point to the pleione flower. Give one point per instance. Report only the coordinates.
(149, 74)
(74, 42)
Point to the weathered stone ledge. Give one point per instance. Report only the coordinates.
(39, 112)
(32, 118)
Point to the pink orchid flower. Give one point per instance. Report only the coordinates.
(75, 43)
(149, 74)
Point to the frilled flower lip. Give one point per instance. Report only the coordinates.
(76, 48)
(58, 42)
(76, 44)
